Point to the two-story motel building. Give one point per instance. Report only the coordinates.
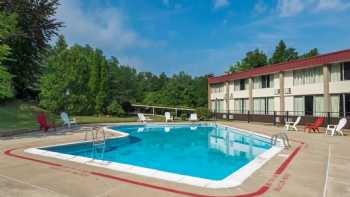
(304, 87)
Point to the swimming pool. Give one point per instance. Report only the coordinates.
(205, 155)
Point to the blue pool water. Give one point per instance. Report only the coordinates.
(204, 151)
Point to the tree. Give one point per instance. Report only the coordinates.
(163, 79)
(155, 98)
(253, 59)
(115, 109)
(313, 52)
(235, 67)
(283, 54)
(279, 53)
(61, 44)
(103, 86)
(36, 26)
(290, 54)
(148, 82)
(97, 84)
(200, 91)
(179, 91)
(257, 58)
(7, 28)
(124, 83)
(83, 71)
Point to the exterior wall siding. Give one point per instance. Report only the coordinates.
(339, 87)
(309, 89)
(288, 79)
(263, 92)
(241, 94)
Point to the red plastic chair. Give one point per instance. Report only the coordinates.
(41, 118)
(315, 125)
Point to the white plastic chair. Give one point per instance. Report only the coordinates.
(142, 118)
(293, 125)
(67, 121)
(168, 117)
(193, 117)
(336, 129)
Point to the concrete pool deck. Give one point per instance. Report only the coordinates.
(316, 165)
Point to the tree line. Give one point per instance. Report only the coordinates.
(79, 79)
(258, 58)
(97, 84)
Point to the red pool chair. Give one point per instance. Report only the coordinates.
(315, 125)
(41, 118)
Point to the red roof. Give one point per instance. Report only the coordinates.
(333, 57)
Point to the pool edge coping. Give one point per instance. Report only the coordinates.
(233, 180)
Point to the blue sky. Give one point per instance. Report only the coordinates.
(202, 36)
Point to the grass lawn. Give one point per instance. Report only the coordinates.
(19, 115)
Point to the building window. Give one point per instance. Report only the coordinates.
(299, 106)
(307, 76)
(340, 105)
(265, 81)
(346, 71)
(240, 84)
(336, 105)
(308, 105)
(218, 106)
(257, 82)
(263, 105)
(340, 72)
(336, 73)
(241, 105)
(236, 85)
(318, 106)
(218, 88)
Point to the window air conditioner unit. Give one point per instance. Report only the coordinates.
(287, 91)
(231, 96)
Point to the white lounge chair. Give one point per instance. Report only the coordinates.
(193, 117)
(142, 118)
(67, 121)
(293, 125)
(168, 117)
(337, 129)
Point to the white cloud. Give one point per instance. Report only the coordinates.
(290, 7)
(332, 5)
(220, 3)
(104, 28)
(259, 8)
(130, 60)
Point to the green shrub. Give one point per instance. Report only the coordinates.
(203, 113)
(184, 116)
(115, 109)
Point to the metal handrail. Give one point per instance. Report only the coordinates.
(283, 136)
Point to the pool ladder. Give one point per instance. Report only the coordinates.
(98, 139)
(283, 136)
